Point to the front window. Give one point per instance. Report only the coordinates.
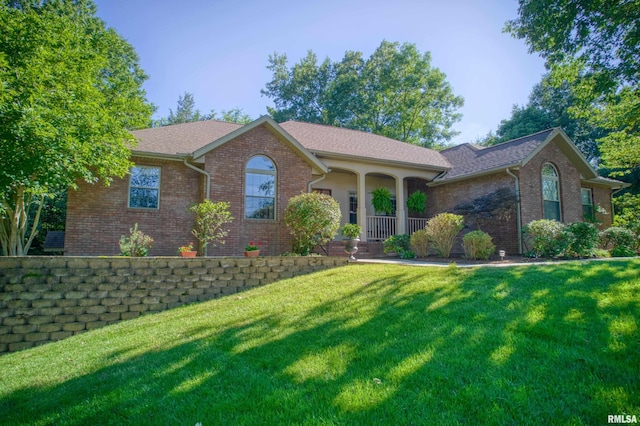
(587, 204)
(353, 208)
(551, 192)
(144, 187)
(260, 189)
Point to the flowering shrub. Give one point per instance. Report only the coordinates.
(442, 230)
(137, 244)
(548, 238)
(620, 242)
(478, 245)
(419, 243)
(188, 247)
(252, 246)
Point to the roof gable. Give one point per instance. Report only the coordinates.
(470, 160)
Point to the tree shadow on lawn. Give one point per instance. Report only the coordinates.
(421, 346)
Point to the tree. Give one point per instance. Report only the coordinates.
(186, 112)
(548, 107)
(211, 219)
(395, 93)
(593, 46)
(71, 91)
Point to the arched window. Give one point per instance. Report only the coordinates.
(260, 189)
(551, 192)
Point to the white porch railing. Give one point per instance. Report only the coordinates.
(379, 228)
(415, 223)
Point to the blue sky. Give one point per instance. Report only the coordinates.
(218, 49)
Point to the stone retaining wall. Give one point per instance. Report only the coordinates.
(44, 299)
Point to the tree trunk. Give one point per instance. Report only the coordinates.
(14, 225)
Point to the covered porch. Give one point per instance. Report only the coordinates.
(352, 184)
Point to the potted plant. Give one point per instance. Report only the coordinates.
(352, 233)
(187, 250)
(381, 200)
(252, 250)
(416, 202)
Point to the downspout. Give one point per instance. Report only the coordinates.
(208, 190)
(518, 218)
(313, 182)
(613, 193)
(204, 172)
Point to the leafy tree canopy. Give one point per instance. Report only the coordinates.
(395, 93)
(594, 45)
(548, 107)
(186, 112)
(70, 91)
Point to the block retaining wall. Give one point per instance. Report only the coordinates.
(44, 299)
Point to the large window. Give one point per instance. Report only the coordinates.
(551, 192)
(587, 204)
(260, 190)
(144, 187)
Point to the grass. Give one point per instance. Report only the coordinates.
(361, 344)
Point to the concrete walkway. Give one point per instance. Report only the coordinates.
(495, 264)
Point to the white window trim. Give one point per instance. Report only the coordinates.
(158, 188)
(556, 179)
(273, 173)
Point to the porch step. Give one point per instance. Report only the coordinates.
(366, 250)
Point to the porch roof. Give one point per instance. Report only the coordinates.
(329, 140)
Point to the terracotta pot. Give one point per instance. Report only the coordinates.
(188, 253)
(252, 253)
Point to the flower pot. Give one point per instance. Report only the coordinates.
(188, 253)
(252, 253)
(351, 247)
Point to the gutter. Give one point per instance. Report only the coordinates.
(204, 172)
(518, 218)
(313, 182)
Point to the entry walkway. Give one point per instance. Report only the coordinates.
(463, 263)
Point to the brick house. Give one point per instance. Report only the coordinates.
(258, 167)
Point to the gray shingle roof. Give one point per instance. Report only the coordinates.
(468, 159)
(182, 138)
(189, 137)
(320, 138)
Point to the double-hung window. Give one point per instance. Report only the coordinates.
(260, 188)
(551, 192)
(144, 187)
(588, 212)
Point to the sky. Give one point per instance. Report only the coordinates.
(218, 50)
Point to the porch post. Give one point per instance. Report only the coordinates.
(362, 204)
(401, 215)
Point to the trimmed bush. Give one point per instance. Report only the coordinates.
(313, 219)
(585, 239)
(620, 242)
(548, 238)
(442, 231)
(478, 245)
(399, 244)
(419, 243)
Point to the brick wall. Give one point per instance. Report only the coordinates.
(44, 299)
(531, 186)
(97, 215)
(445, 198)
(227, 165)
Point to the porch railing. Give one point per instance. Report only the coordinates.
(379, 228)
(415, 223)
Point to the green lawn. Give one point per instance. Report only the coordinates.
(361, 344)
